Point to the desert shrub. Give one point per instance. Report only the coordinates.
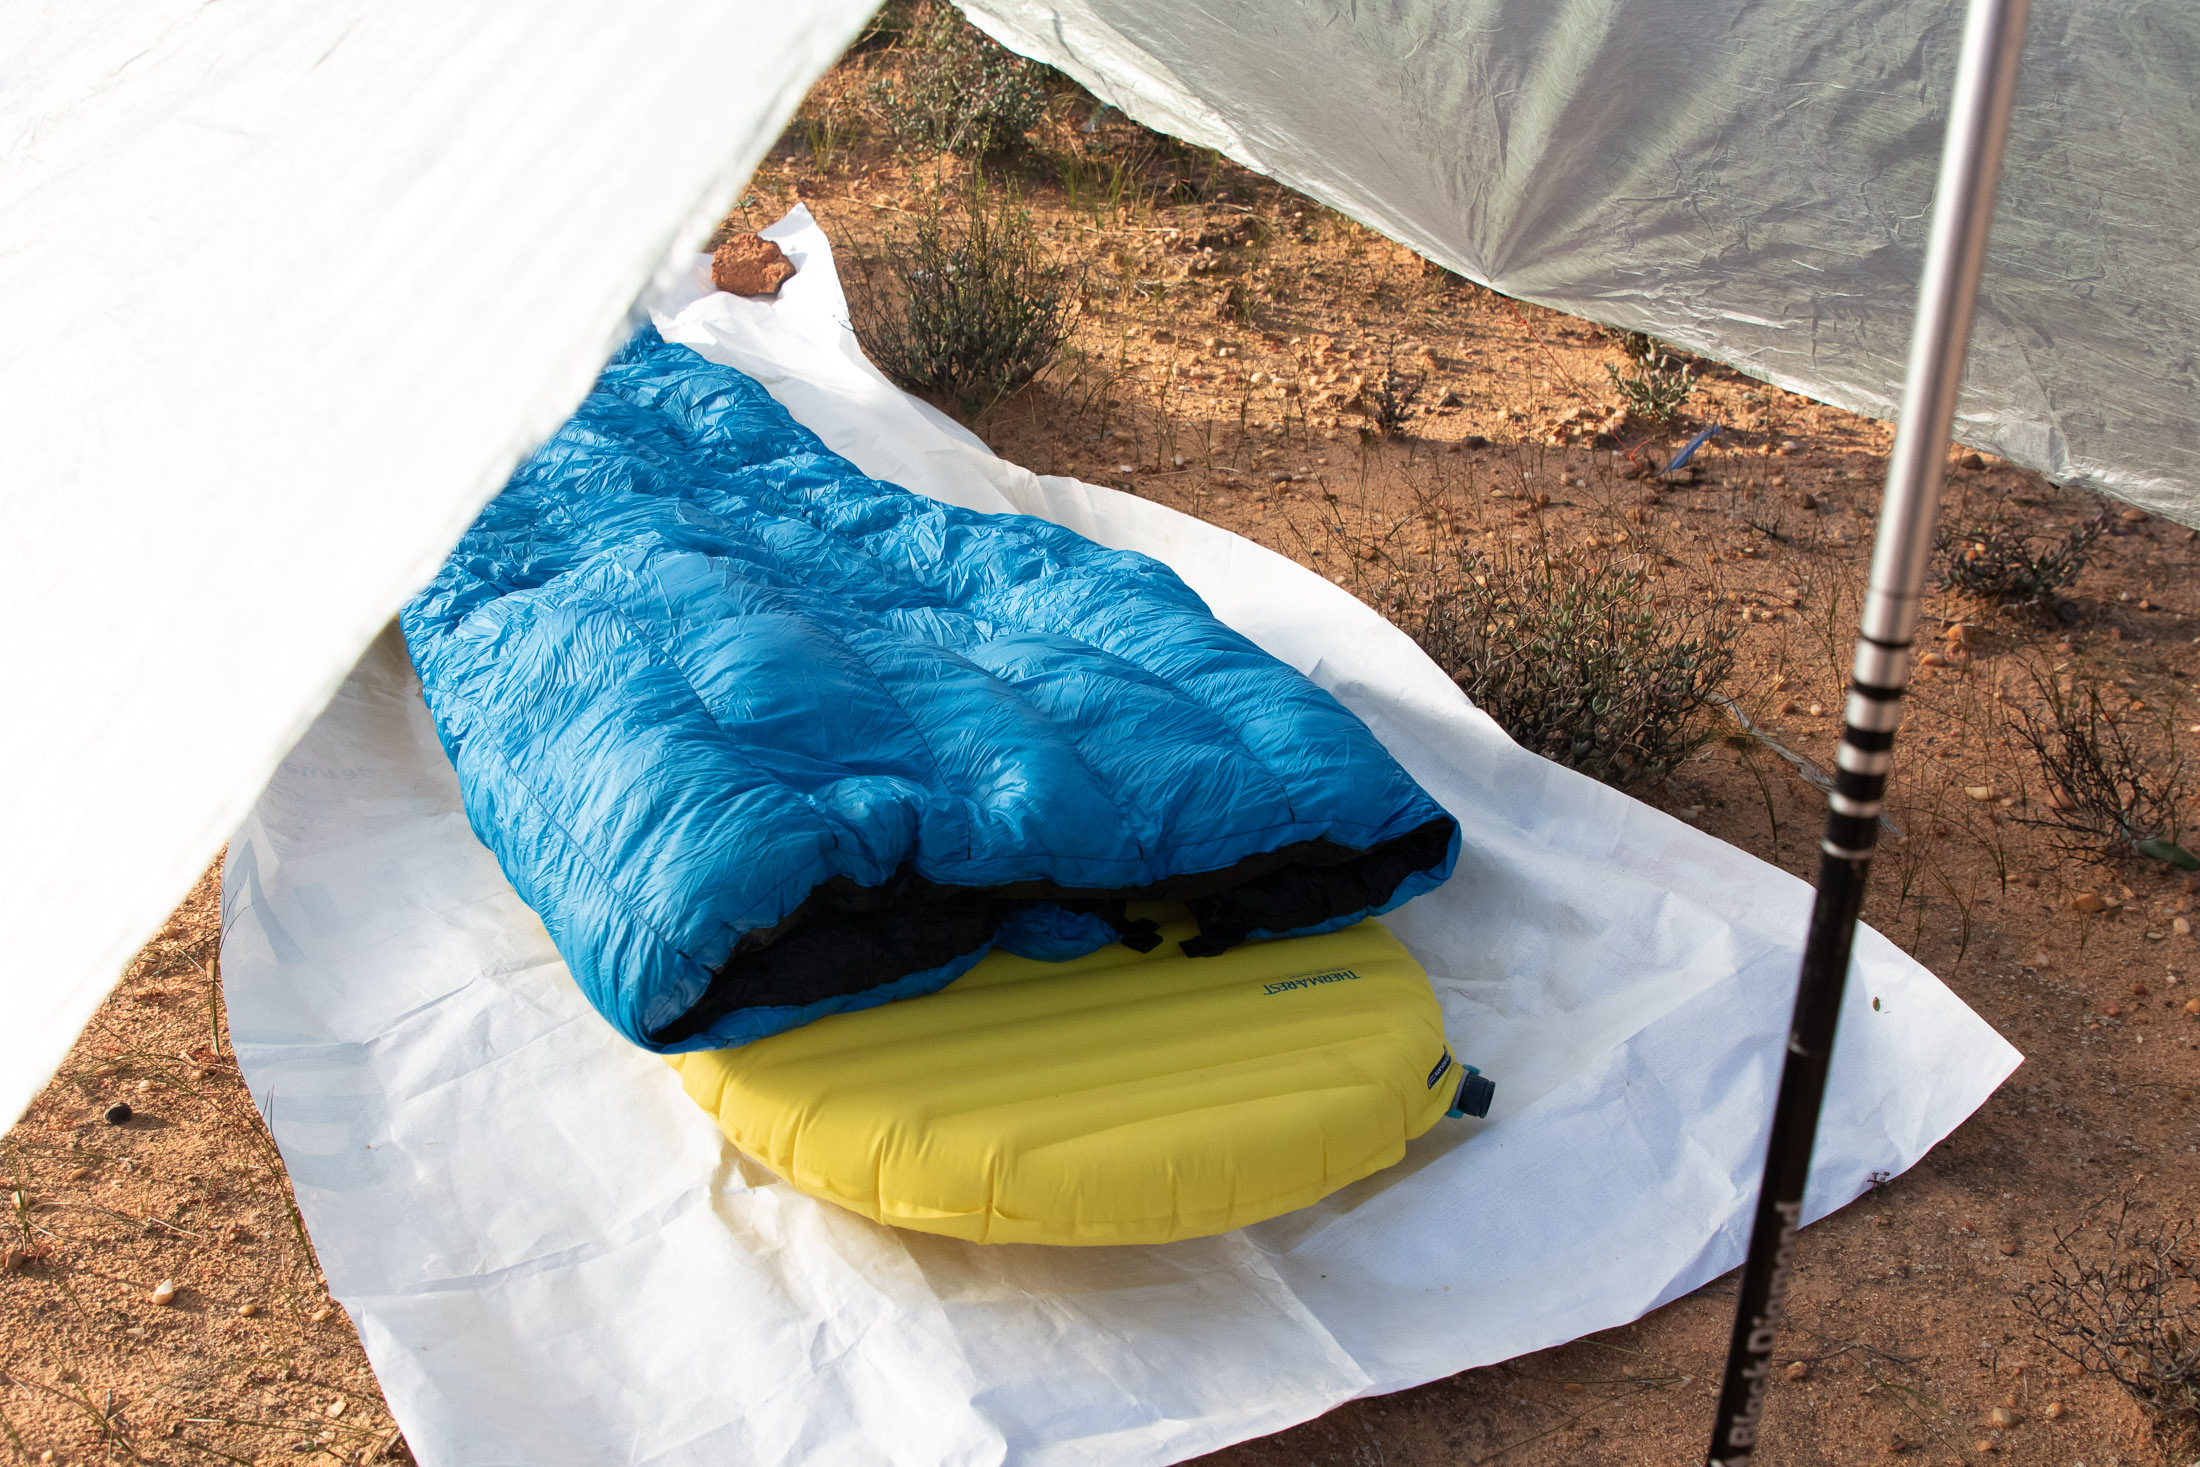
(826, 131)
(1238, 303)
(1390, 399)
(1996, 559)
(1110, 161)
(964, 306)
(1571, 653)
(1656, 385)
(952, 89)
(889, 27)
(2119, 1301)
(2115, 786)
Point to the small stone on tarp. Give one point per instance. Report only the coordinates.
(749, 264)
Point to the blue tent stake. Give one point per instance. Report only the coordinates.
(1690, 451)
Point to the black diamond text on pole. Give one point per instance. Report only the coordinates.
(1963, 211)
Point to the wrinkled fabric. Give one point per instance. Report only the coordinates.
(516, 1207)
(287, 291)
(1752, 182)
(762, 738)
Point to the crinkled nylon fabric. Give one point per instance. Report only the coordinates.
(715, 697)
(1749, 181)
(288, 290)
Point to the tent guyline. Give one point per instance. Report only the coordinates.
(1963, 214)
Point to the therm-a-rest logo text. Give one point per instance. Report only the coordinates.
(1309, 980)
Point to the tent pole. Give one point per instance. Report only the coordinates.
(1963, 211)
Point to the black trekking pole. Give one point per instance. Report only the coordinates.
(1963, 209)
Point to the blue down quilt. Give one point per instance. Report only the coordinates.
(761, 738)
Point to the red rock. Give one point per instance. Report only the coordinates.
(749, 264)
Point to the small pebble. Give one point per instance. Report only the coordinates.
(2181, 926)
(1816, 710)
(2003, 1417)
(164, 1292)
(1984, 1445)
(103, 1071)
(2192, 1005)
(119, 1113)
(2088, 901)
(322, 1315)
(248, 1311)
(78, 1174)
(1799, 1370)
(2054, 1411)
(1979, 792)
(143, 1086)
(2112, 1011)
(335, 1409)
(2008, 1248)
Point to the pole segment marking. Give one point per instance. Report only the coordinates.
(1963, 211)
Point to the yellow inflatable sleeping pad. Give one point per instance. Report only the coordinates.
(1116, 1098)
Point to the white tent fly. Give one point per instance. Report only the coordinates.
(1748, 181)
(284, 294)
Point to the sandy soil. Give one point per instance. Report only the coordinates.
(168, 1308)
(1223, 325)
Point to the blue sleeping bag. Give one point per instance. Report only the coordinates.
(762, 739)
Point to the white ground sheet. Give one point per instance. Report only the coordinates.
(553, 1257)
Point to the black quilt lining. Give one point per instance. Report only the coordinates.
(846, 938)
